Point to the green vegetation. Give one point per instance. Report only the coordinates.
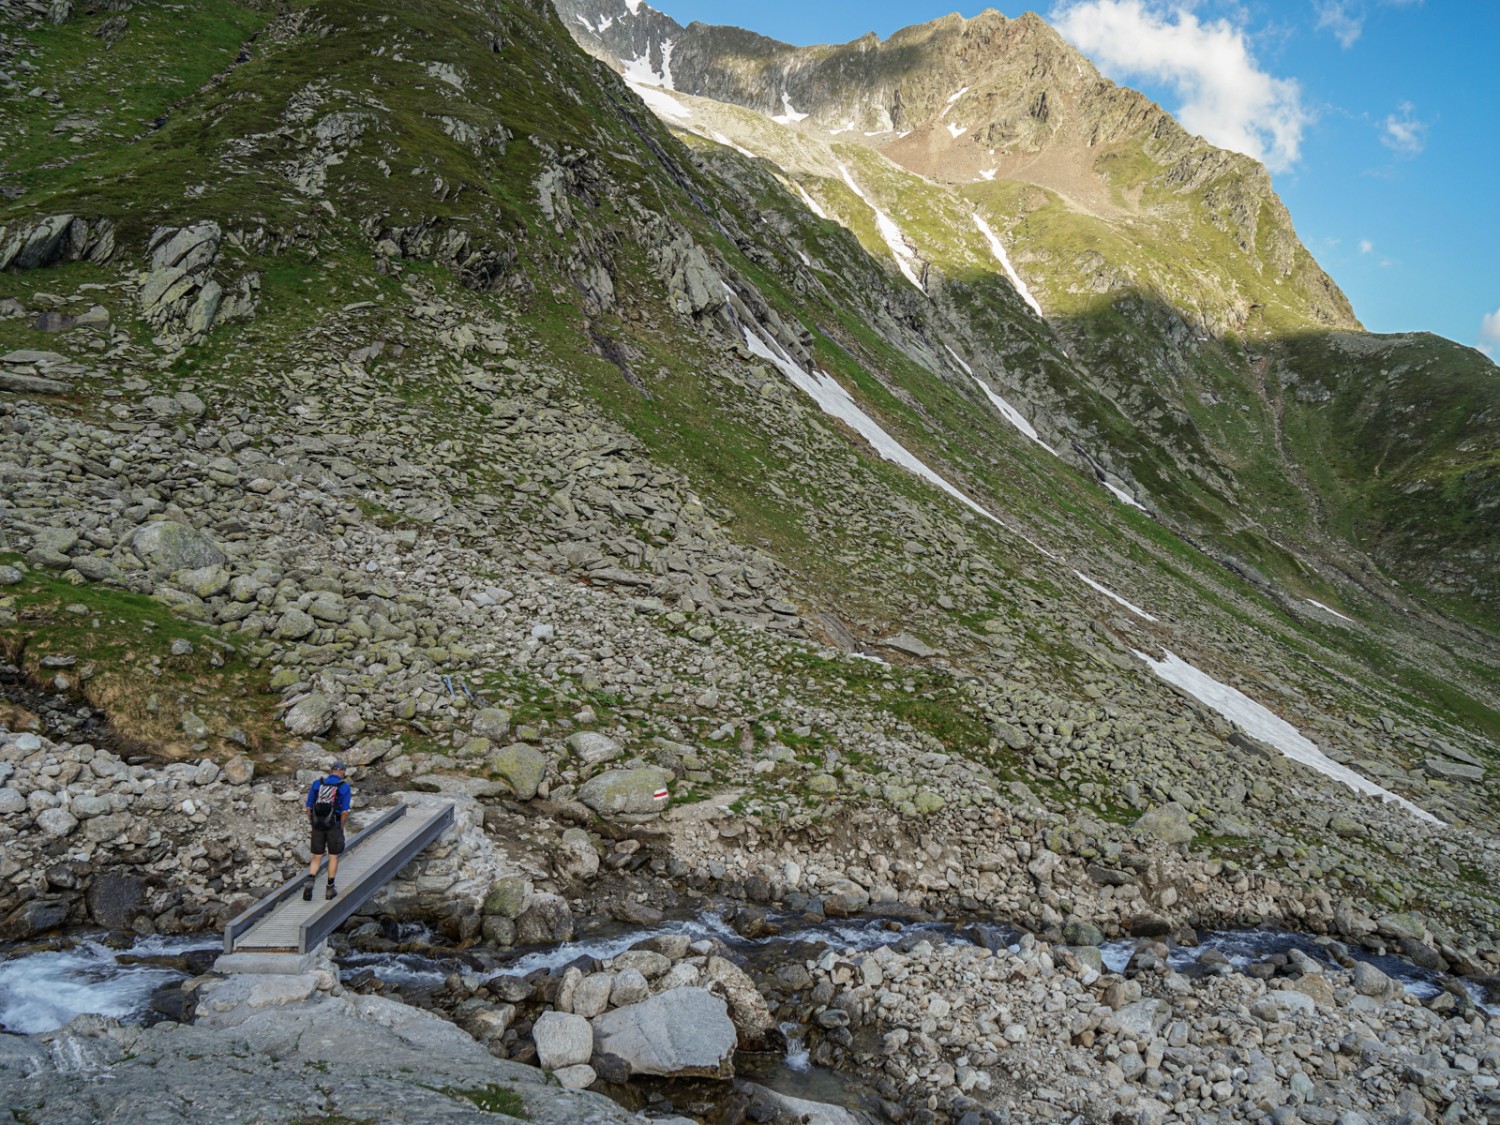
(494, 1099)
(121, 645)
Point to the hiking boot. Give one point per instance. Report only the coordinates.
(307, 891)
(332, 890)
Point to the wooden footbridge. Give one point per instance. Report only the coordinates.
(283, 923)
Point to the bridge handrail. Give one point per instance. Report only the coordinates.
(242, 922)
(332, 914)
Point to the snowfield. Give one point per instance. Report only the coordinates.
(1261, 723)
(889, 231)
(1135, 609)
(998, 249)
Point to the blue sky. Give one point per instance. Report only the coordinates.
(1380, 121)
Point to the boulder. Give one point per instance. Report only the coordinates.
(34, 916)
(909, 644)
(522, 767)
(546, 920)
(492, 723)
(747, 1007)
(1143, 1019)
(507, 896)
(628, 987)
(576, 858)
(167, 546)
(113, 900)
(56, 823)
(239, 770)
(1370, 981)
(562, 1039)
(579, 1077)
(1168, 823)
(684, 1033)
(591, 997)
(310, 716)
(630, 792)
(593, 748)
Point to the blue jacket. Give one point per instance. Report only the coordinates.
(345, 797)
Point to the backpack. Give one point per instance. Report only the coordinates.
(325, 810)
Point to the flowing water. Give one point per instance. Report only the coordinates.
(42, 990)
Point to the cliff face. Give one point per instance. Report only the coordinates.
(1169, 267)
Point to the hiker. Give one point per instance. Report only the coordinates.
(328, 803)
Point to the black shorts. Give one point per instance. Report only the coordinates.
(330, 840)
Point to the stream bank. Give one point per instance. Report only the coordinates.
(911, 1021)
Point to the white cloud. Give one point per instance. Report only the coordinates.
(1489, 333)
(1403, 131)
(1366, 246)
(1227, 98)
(1345, 20)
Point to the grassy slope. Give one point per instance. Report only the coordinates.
(700, 426)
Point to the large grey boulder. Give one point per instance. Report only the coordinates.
(562, 1039)
(683, 1033)
(1168, 823)
(593, 747)
(311, 716)
(632, 792)
(522, 767)
(748, 1010)
(492, 723)
(167, 546)
(1142, 1019)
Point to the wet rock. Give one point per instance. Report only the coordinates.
(114, 900)
(546, 919)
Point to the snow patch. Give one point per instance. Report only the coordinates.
(640, 72)
(811, 203)
(1123, 496)
(585, 22)
(952, 98)
(662, 103)
(833, 400)
(998, 249)
(987, 174)
(958, 359)
(1012, 415)
(889, 231)
(790, 116)
(1329, 609)
(849, 128)
(605, 23)
(633, 7)
(720, 138)
(1259, 722)
(956, 131)
(1135, 609)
